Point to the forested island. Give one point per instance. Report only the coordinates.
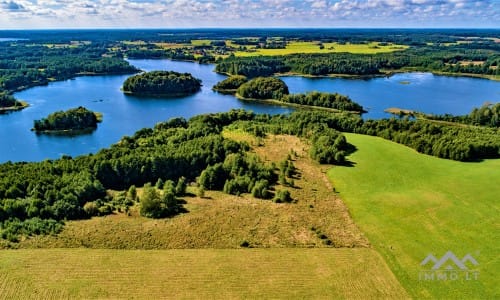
(73, 120)
(263, 88)
(9, 103)
(162, 83)
(230, 85)
(273, 89)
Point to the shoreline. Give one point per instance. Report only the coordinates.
(288, 104)
(8, 109)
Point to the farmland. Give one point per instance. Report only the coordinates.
(314, 47)
(290, 261)
(196, 273)
(410, 205)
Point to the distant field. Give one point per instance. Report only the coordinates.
(313, 47)
(410, 205)
(196, 273)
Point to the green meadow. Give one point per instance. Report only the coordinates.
(410, 205)
(314, 47)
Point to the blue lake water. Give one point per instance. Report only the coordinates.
(123, 115)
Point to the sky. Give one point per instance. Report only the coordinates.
(41, 14)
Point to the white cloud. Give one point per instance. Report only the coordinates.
(249, 13)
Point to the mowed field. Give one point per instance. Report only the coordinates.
(201, 256)
(410, 205)
(313, 47)
(196, 273)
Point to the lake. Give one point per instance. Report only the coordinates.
(123, 114)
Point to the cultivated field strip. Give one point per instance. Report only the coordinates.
(196, 273)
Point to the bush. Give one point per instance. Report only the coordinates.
(282, 196)
(91, 209)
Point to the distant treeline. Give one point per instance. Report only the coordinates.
(486, 115)
(424, 59)
(398, 36)
(24, 65)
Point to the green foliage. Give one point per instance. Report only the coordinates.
(486, 115)
(231, 83)
(168, 83)
(24, 65)
(282, 196)
(327, 147)
(155, 204)
(12, 228)
(8, 100)
(263, 88)
(132, 193)
(180, 188)
(73, 119)
(261, 189)
(429, 58)
(179, 151)
(335, 101)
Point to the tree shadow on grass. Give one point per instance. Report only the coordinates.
(349, 150)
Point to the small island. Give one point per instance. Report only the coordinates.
(230, 85)
(162, 84)
(74, 120)
(274, 90)
(263, 88)
(9, 103)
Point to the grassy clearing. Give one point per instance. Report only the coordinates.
(197, 273)
(200, 42)
(410, 205)
(225, 221)
(313, 47)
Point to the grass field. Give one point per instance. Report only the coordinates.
(225, 221)
(313, 47)
(410, 205)
(196, 273)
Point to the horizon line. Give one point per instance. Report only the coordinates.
(248, 28)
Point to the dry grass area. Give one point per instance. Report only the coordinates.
(224, 221)
(196, 273)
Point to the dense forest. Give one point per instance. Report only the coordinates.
(230, 84)
(486, 115)
(73, 119)
(263, 88)
(164, 83)
(23, 65)
(453, 59)
(36, 197)
(328, 100)
(271, 88)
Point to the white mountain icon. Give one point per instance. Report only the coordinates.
(449, 259)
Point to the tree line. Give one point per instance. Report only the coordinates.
(265, 88)
(486, 115)
(439, 59)
(23, 65)
(36, 198)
